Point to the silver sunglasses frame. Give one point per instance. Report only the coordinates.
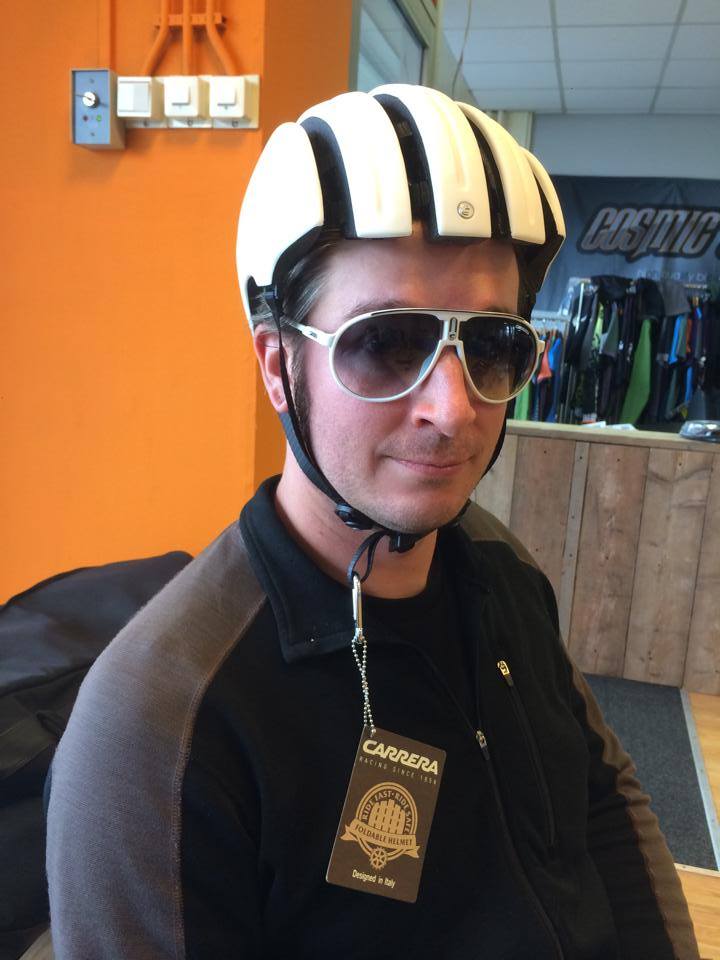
(451, 321)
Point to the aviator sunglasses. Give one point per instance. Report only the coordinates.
(383, 355)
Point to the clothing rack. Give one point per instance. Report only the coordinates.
(549, 320)
(695, 292)
(586, 286)
(693, 286)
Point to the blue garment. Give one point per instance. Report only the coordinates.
(535, 409)
(555, 360)
(688, 384)
(673, 358)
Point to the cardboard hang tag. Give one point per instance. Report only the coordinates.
(385, 822)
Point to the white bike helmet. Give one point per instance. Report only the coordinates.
(368, 164)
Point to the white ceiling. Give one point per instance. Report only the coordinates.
(589, 56)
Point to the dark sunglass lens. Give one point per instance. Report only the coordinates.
(385, 354)
(500, 353)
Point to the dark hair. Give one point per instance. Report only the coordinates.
(303, 286)
(307, 278)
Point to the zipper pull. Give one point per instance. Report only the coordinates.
(505, 671)
(482, 740)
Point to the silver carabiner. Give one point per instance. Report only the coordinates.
(357, 605)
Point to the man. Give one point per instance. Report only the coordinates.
(209, 798)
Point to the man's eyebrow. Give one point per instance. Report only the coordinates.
(376, 303)
(497, 308)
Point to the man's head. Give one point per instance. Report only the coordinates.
(371, 201)
(412, 462)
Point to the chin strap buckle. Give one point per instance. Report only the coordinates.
(353, 518)
(402, 542)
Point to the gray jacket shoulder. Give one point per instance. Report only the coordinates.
(114, 818)
(213, 595)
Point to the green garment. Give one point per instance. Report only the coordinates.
(522, 404)
(597, 332)
(638, 391)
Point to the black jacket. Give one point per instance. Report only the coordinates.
(198, 788)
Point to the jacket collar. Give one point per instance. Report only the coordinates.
(312, 611)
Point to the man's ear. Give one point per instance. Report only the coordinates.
(267, 349)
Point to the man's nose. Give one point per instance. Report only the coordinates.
(445, 398)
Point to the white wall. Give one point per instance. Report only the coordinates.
(628, 145)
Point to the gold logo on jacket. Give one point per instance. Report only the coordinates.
(385, 824)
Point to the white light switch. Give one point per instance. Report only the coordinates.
(185, 97)
(139, 98)
(180, 94)
(224, 91)
(227, 93)
(133, 97)
(234, 101)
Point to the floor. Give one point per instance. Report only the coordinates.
(702, 888)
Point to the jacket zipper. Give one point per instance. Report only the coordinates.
(515, 861)
(539, 909)
(519, 708)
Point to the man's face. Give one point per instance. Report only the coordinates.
(410, 464)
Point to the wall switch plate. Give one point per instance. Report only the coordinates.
(234, 101)
(140, 101)
(93, 119)
(186, 101)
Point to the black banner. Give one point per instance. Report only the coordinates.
(636, 227)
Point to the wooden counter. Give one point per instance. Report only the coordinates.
(626, 525)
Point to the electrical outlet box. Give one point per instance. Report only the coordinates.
(93, 119)
(140, 101)
(234, 101)
(186, 101)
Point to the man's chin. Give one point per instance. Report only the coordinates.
(412, 518)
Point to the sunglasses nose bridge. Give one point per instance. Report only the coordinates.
(448, 336)
(460, 353)
(438, 355)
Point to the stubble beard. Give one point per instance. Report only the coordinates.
(408, 520)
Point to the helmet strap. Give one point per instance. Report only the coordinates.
(498, 446)
(298, 444)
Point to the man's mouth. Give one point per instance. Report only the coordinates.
(432, 466)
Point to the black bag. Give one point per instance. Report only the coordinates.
(49, 637)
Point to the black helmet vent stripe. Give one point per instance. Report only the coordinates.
(536, 266)
(333, 177)
(498, 208)
(416, 164)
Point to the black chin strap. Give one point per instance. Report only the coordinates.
(370, 544)
(350, 516)
(498, 447)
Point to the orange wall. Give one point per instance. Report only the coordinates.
(128, 389)
(311, 54)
